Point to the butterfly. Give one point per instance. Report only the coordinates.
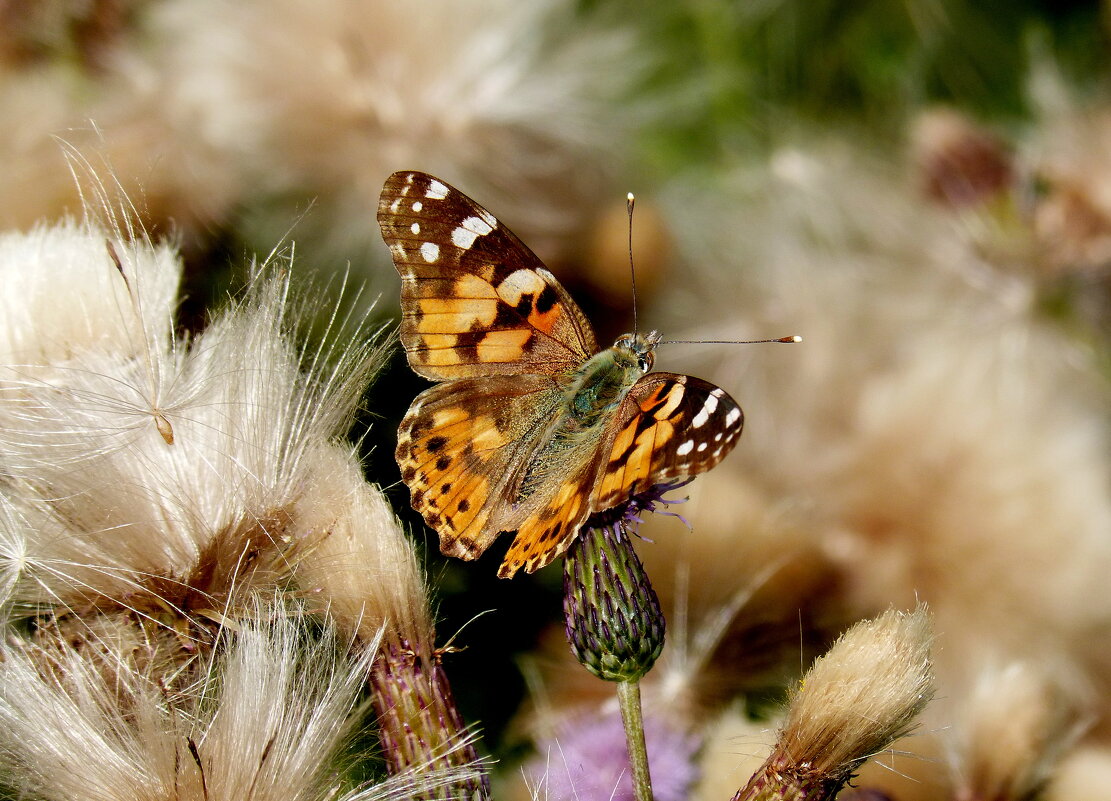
(531, 427)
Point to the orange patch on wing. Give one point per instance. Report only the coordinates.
(438, 341)
(448, 416)
(488, 436)
(461, 506)
(476, 286)
(438, 358)
(503, 346)
(545, 321)
(545, 536)
(638, 465)
(674, 395)
(451, 315)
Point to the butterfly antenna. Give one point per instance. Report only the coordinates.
(629, 202)
(791, 339)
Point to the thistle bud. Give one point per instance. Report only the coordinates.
(613, 617)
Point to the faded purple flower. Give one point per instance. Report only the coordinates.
(588, 761)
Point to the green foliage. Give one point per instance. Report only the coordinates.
(734, 73)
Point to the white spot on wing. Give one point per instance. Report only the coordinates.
(701, 447)
(394, 205)
(521, 282)
(707, 409)
(733, 416)
(415, 228)
(430, 251)
(436, 190)
(481, 226)
(472, 228)
(462, 238)
(685, 448)
(417, 205)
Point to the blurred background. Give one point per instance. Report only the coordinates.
(921, 189)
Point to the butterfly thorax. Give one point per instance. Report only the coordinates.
(599, 386)
(593, 393)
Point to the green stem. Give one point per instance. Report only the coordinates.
(628, 696)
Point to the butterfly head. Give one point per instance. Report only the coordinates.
(639, 348)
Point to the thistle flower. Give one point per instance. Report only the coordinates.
(614, 623)
(587, 760)
(420, 726)
(852, 704)
(613, 617)
(364, 575)
(91, 360)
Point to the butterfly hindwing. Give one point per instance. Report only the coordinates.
(459, 446)
(670, 427)
(549, 532)
(475, 300)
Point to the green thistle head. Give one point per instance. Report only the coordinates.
(613, 617)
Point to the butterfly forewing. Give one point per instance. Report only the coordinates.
(475, 300)
(669, 428)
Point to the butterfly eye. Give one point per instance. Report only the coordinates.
(646, 360)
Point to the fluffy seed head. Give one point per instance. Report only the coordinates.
(863, 694)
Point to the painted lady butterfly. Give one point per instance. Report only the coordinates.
(532, 428)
